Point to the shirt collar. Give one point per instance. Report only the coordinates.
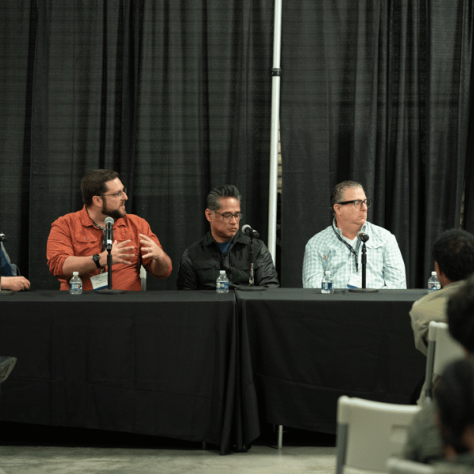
(238, 237)
(339, 232)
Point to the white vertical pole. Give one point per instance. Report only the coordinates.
(273, 191)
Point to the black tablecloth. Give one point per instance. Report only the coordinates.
(159, 363)
(307, 349)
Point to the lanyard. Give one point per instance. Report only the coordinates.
(353, 252)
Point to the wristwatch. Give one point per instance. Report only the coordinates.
(96, 259)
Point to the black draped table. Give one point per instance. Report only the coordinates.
(160, 363)
(306, 349)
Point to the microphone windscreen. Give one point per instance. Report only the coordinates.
(109, 220)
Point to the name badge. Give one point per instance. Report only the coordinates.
(100, 281)
(355, 281)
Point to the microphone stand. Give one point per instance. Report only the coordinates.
(364, 274)
(251, 286)
(251, 277)
(109, 290)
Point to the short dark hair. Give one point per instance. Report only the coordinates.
(225, 191)
(337, 194)
(454, 396)
(93, 184)
(454, 253)
(460, 312)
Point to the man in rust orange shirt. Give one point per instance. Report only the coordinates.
(76, 241)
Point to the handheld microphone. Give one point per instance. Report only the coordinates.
(247, 230)
(3, 237)
(362, 237)
(109, 233)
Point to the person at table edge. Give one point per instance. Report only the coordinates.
(9, 279)
(225, 247)
(338, 249)
(76, 241)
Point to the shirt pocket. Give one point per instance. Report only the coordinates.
(85, 244)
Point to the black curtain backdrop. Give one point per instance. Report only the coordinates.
(379, 92)
(175, 96)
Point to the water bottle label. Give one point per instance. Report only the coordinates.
(326, 285)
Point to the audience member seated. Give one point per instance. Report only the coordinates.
(424, 441)
(455, 417)
(453, 254)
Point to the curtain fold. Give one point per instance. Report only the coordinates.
(175, 96)
(382, 98)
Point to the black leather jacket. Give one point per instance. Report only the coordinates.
(202, 261)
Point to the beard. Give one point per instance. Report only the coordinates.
(114, 214)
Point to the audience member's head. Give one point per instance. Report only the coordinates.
(460, 311)
(453, 252)
(455, 404)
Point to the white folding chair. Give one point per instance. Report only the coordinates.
(442, 349)
(403, 466)
(368, 433)
(143, 277)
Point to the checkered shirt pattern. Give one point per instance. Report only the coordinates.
(324, 251)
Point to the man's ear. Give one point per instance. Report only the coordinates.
(208, 214)
(97, 201)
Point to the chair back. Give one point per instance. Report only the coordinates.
(442, 349)
(368, 433)
(143, 277)
(403, 466)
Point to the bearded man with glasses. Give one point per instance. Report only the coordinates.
(76, 241)
(224, 247)
(338, 249)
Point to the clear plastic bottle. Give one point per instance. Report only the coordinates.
(433, 282)
(326, 284)
(222, 283)
(75, 284)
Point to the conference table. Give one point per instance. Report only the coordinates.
(159, 363)
(306, 349)
(202, 366)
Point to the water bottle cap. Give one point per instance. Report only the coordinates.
(75, 274)
(327, 272)
(433, 273)
(222, 272)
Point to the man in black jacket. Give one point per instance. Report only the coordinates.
(225, 248)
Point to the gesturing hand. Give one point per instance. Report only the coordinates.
(121, 253)
(149, 248)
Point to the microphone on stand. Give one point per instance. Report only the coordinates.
(362, 237)
(109, 238)
(109, 232)
(252, 233)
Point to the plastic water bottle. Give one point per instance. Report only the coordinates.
(75, 284)
(326, 284)
(222, 283)
(433, 282)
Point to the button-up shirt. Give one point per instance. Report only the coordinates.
(327, 251)
(76, 235)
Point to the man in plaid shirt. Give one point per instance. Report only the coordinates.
(338, 249)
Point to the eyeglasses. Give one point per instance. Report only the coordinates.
(119, 194)
(358, 203)
(227, 216)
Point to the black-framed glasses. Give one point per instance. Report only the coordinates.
(357, 203)
(119, 194)
(227, 216)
